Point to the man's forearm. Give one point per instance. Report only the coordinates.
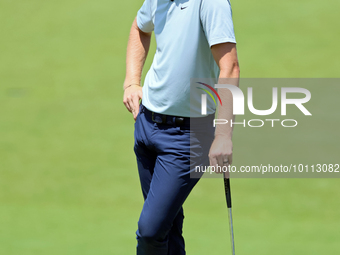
(225, 111)
(225, 55)
(137, 50)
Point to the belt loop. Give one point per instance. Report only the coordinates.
(174, 121)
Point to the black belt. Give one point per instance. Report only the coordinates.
(167, 119)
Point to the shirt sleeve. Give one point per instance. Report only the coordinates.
(216, 19)
(144, 17)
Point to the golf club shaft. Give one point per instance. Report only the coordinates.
(228, 199)
(231, 231)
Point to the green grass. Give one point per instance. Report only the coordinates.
(68, 178)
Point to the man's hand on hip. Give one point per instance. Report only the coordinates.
(132, 95)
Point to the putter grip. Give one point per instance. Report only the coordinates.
(227, 191)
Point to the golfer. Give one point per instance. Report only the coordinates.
(195, 39)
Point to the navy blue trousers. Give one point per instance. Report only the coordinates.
(166, 155)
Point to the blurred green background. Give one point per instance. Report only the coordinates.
(68, 178)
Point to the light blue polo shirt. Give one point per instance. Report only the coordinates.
(184, 31)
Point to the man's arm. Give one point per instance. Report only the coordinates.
(221, 149)
(137, 50)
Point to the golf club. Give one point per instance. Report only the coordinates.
(228, 198)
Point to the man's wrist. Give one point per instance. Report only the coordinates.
(130, 85)
(223, 135)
